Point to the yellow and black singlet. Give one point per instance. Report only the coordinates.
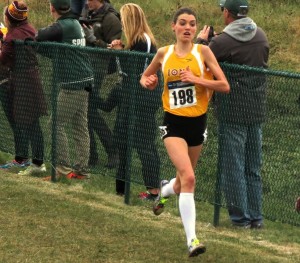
(182, 98)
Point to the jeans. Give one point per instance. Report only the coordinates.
(240, 159)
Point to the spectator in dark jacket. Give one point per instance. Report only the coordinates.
(241, 113)
(25, 102)
(103, 27)
(78, 6)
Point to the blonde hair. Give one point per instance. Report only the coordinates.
(135, 24)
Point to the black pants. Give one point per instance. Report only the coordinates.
(25, 135)
(98, 126)
(96, 123)
(144, 136)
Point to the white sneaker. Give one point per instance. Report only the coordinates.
(196, 248)
(33, 169)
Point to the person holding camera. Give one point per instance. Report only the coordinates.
(241, 113)
(101, 25)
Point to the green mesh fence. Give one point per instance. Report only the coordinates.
(124, 120)
(275, 102)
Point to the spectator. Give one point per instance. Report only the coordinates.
(24, 101)
(138, 38)
(241, 113)
(103, 27)
(74, 75)
(188, 71)
(77, 6)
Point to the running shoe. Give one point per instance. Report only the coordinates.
(159, 203)
(147, 196)
(73, 175)
(196, 248)
(33, 169)
(14, 163)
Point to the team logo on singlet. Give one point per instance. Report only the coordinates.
(174, 72)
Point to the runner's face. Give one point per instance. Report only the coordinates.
(185, 27)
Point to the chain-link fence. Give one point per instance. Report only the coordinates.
(123, 122)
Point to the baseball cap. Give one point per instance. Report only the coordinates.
(63, 5)
(238, 8)
(222, 2)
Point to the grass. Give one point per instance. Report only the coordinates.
(85, 222)
(75, 222)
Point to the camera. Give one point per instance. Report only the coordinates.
(211, 33)
(84, 21)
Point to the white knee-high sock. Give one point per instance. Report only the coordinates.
(188, 215)
(168, 189)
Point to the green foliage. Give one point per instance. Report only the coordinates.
(280, 19)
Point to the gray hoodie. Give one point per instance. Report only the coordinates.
(242, 43)
(243, 29)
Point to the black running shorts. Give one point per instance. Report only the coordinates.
(191, 129)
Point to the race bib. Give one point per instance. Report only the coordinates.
(181, 94)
